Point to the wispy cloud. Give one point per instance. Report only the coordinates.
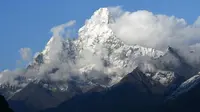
(60, 29)
(26, 54)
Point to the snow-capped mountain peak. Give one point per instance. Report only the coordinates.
(96, 30)
(101, 16)
(98, 53)
(109, 53)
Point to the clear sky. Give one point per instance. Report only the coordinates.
(27, 23)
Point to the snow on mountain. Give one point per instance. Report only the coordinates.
(58, 49)
(97, 48)
(97, 37)
(99, 54)
(186, 86)
(164, 77)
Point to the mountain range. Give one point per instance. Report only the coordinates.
(100, 72)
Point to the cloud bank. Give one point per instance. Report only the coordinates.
(154, 30)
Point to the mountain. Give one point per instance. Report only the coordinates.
(186, 86)
(99, 51)
(97, 66)
(185, 98)
(34, 97)
(96, 51)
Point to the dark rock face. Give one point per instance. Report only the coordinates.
(4, 107)
(133, 93)
(34, 97)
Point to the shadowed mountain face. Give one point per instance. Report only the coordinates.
(34, 98)
(134, 92)
(185, 101)
(4, 107)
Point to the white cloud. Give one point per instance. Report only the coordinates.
(116, 11)
(158, 31)
(55, 45)
(9, 76)
(26, 54)
(197, 22)
(60, 29)
(154, 30)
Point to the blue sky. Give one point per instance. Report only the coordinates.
(26, 23)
